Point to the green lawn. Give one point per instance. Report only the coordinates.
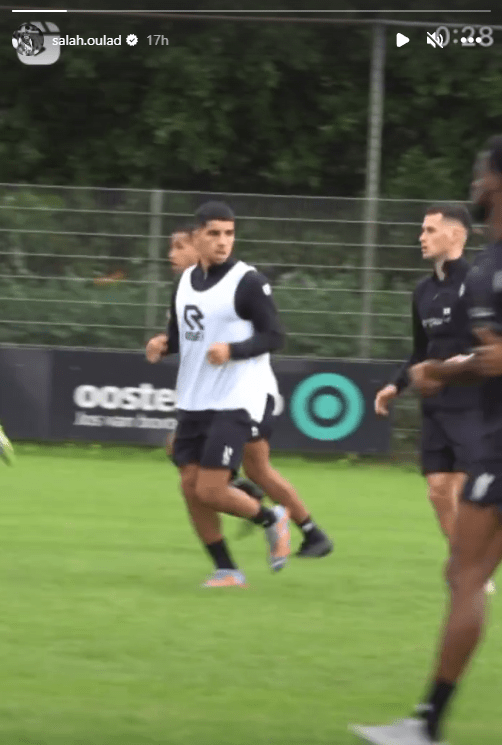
(107, 639)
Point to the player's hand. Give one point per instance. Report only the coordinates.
(383, 399)
(460, 358)
(489, 354)
(156, 348)
(218, 354)
(422, 379)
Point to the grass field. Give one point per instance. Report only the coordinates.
(107, 639)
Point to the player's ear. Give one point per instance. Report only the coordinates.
(458, 232)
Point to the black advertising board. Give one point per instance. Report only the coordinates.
(327, 405)
(112, 396)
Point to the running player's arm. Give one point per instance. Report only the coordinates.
(485, 360)
(462, 369)
(419, 352)
(254, 302)
(172, 332)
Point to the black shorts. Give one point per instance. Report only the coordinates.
(212, 439)
(484, 485)
(263, 430)
(451, 440)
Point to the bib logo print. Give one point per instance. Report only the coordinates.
(193, 317)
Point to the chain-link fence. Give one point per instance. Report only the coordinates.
(84, 267)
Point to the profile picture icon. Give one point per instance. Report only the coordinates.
(28, 40)
(36, 43)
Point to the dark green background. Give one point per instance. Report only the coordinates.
(253, 107)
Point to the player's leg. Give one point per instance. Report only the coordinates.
(215, 446)
(215, 490)
(207, 525)
(443, 492)
(170, 439)
(222, 455)
(477, 552)
(6, 449)
(206, 521)
(439, 468)
(246, 527)
(248, 486)
(464, 431)
(258, 468)
(187, 449)
(258, 430)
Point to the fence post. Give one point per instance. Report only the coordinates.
(372, 191)
(154, 241)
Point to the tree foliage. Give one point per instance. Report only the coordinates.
(268, 108)
(277, 108)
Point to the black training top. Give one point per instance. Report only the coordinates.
(484, 301)
(440, 330)
(251, 304)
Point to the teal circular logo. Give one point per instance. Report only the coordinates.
(327, 406)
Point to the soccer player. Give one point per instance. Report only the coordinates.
(451, 419)
(222, 385)
(477, 545)
(6, 449)
(257, 466)
(256, 462)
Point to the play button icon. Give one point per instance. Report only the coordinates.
(401, 40)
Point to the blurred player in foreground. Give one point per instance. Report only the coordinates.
(6, 449)
(451, 419)
(477, 543)
(183, 255)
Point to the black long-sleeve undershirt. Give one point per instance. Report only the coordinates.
(253, 302)
(419, 350)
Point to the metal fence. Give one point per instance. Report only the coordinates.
(87, 268)
(85, 259)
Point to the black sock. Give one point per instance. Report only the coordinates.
(220, 556)
(434, 708)
(265, 517)
(309, 529)
(249, 487)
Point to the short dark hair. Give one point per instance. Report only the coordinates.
(185, 227)
(213, 211)
(452, 212)
(494, 148)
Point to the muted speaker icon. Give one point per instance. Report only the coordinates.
(435, 40)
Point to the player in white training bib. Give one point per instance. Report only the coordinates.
(224, 327)
(256, 458)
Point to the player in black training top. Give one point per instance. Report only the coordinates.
(477, 548)
(451, 419)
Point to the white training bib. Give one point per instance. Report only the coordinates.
(205, 318)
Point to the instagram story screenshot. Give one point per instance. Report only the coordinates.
(196, 202)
